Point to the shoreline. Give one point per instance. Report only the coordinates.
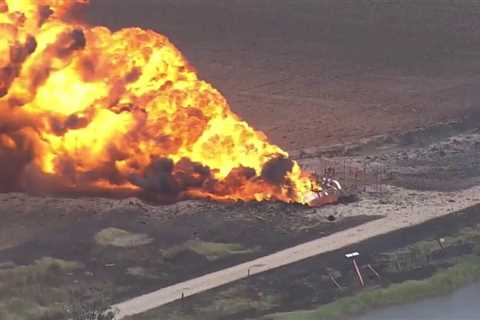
(458, 304)
(442, 283)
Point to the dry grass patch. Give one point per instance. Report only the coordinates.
(121, 238)
(30, 292)
(210, 250)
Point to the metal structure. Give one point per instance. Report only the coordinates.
(330, 193)
(353, 256)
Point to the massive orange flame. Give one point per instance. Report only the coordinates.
(94, 110)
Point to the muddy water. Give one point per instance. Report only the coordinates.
(461, 305)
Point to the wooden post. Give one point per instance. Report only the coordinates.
(359, 274)
(369, 266)
(353, 256)
(335, 282)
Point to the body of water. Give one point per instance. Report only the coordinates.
(461, 305)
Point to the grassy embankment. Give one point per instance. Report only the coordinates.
(36, 291)
(465, 270)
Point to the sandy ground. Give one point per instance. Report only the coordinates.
(406, 210)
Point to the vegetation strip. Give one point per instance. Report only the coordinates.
(441, 283)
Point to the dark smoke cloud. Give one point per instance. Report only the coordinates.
(158, 182)
(190, 174)
(66, 44)
(168, 180)
(44, 12)
(61, 126)
(70, 42)
(18, 55)
(163, 181)
(238, 176)
(12, 167)
(275, 170)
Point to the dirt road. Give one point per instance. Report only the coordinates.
(438, 204)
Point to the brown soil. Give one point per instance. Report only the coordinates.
(312, 73)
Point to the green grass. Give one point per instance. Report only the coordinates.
(419, 254)
(210, 250)
(215, 305)
(441, 283)
(30, 292)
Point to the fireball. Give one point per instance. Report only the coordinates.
(86, 109)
